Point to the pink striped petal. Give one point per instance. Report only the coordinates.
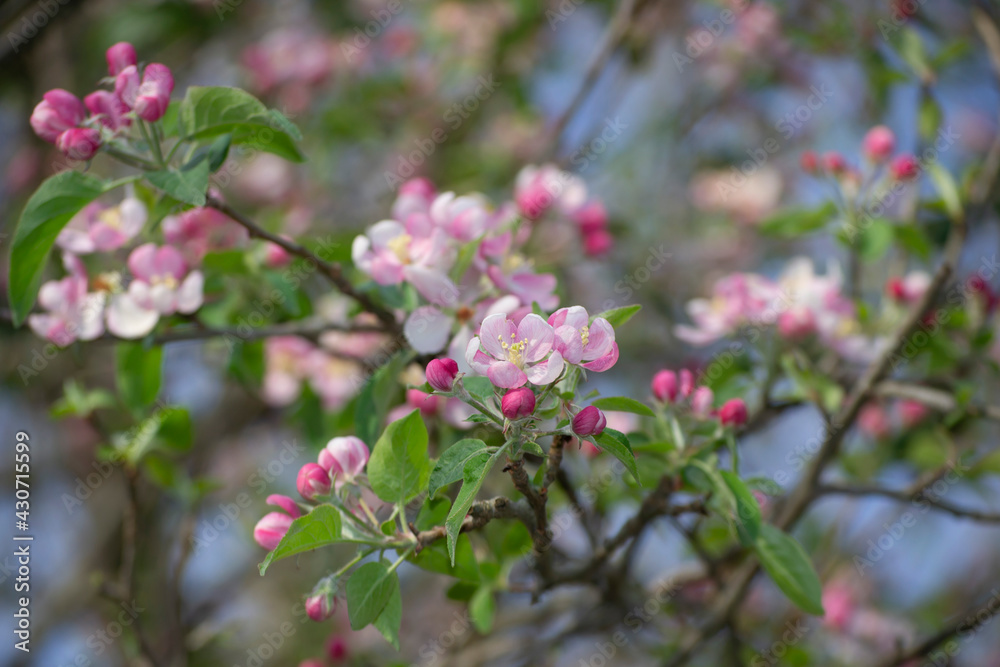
(506, 375)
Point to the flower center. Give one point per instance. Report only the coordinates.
(111, 217)
(166, 280)
(400, 246)
(585, 335)
(464, 314)
(514, 350)
(108, 282)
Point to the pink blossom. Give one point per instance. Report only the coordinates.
(59, 111)
(150, 97)
(286, 366)
(108, 110)
(463, 218)
(589, 421)
(873, 421)
(538, 189)
(390, 256)
(198, 231)
(733, 412)
(120, 56)
(737, 299)
(701, 402)
(336, 648)
(912, 412)
(796, 322)
(344, 458)
(161, 285)
(99, 229)
(313, 480)
(441, 374)
(687, 382)
(664, 386)
(79, 143)
(320, 607)
(878, 143)
(415, 198)
(270, 530)
(511, 355)
(73, 313)
(838, 603)
(904, 167)
(580, 341)
(289, 57)
(285, 503)
(518, 403)
(598, 243)
(428, 404)
(518, 277)
(910, 288)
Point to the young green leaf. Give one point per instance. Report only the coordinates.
(377, 395)
(54, 203)
(369, 590)
(391, 618)
(314, 530)
(623, 404)
(798, 221)
(790, 568)
(482, 609)
(475, 471)
(619, 316)
(138, 374)
(450, 466)
(616, 443)
(186, 185)
(747, 519)
(399, 467)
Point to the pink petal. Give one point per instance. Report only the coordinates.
(189, 294)
(605, 362)
(477, 360)
(539, 336)
(497, 328)
(427, 329)
(140, 261)
(506, 375)
(569, 344)
(126, 319)
(547, 371)
(433, 285)
(168, 261)
(599, 340)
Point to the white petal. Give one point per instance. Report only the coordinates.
(427, 329)
(126, 319)
(189, 295)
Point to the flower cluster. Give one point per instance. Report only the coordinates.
(422, 243)
(801, 302)
(79, 129)
(672, 388)
(878, 147)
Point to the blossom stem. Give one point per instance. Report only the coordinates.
(153, 144)
(351, 563)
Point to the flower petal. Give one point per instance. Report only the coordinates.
(126, 319)
(569, 344)
(427, 329)
(477, 360)
(539, 336)
(497, 328)
(547, 371)
(506, 375)
(599, 340)
(605, 362)
(189, 296)
(433, 285)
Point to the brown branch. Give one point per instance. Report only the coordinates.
(908, 495)
(540, 537)
(480, 514)
(555, 459)
(332, 271)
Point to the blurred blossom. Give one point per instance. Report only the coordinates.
(198, 231)
(291, 63)
(97, 228)
(873, 421)
(267, 179)
(747, 198)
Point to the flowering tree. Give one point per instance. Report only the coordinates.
(446, 386)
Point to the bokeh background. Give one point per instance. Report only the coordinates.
(685, 99)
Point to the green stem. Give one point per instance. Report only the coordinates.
(361, 554)
(404, 556)
(486, 411)
(130, 159)
(153, 144)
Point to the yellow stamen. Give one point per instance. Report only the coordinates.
(400, 246)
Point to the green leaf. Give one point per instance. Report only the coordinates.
(175, 428)
(790, 568)
(481, 388)
(218, 152)
(619, 316)
(52, 205)
(450, 466)
(138, 374)
(377, 395)
(391, 618)
(875, 239)
(946, 187)
(473, 474)
(623, 404)
(747, 519)
(482, 609)
(186, 185)
(369, 590)
(914, 240)
(79, 402)
(616, 443)
(216, 110)
(798, 221)
(314, 530)
(399, 467)
(434, 558)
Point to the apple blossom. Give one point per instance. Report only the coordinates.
(73, 312)
(271, 529)
(285, 503)
(910, 288)
(79, 143)
(99, 229)
(589, 421)
(664, 386)
(198, 231)
(879, 143)
(580, 341)
(518, 403)
(904, 167)
(511, 355)
(59, 111)
(537, 189)
(344, 458)
(733, 412)
(834, 162)
(390, 255)
(441, 373)
(701, 402)
(150, 97)
(320, 607)
(336, 648)
(120, 56)
(108, 110)
(313, 480)
(687, 382)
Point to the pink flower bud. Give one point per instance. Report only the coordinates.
(426, 403)
(834, 162)
(418, 187)
(912, 412)
(687, 382)
(79, 143)
(271, 528)
(313, 481)
(665, 387)
(591, 217)
(733, 412)
(59, 110)
(838, 603)
(344, 458)
(518, 403)
(441, 373)
(701, 402)
(879, 143)
(285, 503)
(904, 167)
(589, 421)
(319, 607)
(873, 421)
(809, 162)
(336, 649)
(796, 322)
(108, 109)
(275, 256)
(127, 85)
(153, 96)
(598, 243)
(120, 56)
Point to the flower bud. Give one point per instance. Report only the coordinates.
(589, 421)
(796, 322)
(275, 256)
(665, 387)
(120, 56)
(591, 217)
(285, 503)
(873, 421)
(904, 168)
(319, 607)
(336, 649)
(687, 382)
(271, 528)
(834, 162)
(59, 110)
(153, 95)
(344, 458)
(441, 374)
(127, 85)
(313, 481)
(701, 402)
(809, 162)
(426, 403)
(878, 143)
(597, 243)
(733, 412)
(79, 143)
(912, 412)
(108, 109)
(518, 403)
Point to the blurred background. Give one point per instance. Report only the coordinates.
(684, 100)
